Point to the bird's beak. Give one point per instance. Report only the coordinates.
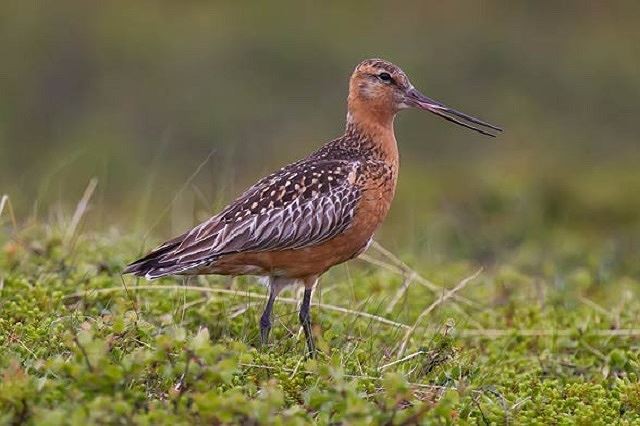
(416, 99)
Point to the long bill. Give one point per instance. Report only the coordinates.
(421, 101)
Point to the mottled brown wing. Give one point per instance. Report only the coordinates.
(299, 206)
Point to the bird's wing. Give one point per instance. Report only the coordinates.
(299, 206)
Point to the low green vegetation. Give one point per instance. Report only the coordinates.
(546, 332)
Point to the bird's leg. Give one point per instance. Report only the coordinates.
(265, 319)
(305, 320)
(276, 284)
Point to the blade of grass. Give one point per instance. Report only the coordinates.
(81, 208)
(6, 202)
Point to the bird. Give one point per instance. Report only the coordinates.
(296, 223)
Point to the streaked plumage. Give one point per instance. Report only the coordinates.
(296, 223)
(301, 205)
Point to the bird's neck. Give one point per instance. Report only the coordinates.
(376, 129)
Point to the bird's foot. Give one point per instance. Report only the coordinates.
(265, 329)
(308, 335)
(311, 348)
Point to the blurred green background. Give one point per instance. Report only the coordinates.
(138, 94)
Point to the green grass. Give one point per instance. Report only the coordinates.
(547, 333)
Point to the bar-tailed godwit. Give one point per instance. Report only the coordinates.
(295, 224)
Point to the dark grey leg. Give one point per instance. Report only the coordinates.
(305, 320)
(265, 319)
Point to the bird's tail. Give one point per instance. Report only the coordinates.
(155, 265)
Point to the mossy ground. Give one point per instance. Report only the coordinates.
(170, 355)
(547, 333)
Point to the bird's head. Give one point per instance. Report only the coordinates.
(378, 90)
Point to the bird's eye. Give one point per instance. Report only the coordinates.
(385, 76)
